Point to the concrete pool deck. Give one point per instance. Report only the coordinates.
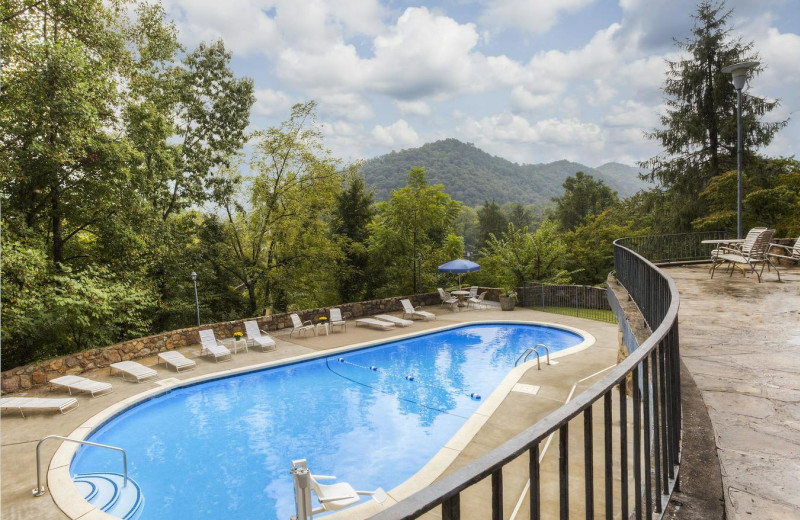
(517, 410)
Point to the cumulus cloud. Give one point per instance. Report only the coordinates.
(398, 134)
(537, 16)
(419, 108)
(270, 102)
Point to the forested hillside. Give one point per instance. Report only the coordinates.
(473, 176)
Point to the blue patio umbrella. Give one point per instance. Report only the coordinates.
(459, 266)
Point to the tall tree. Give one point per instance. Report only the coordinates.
(491, 220)
(353, 212)
(583, 196)
(699, 127)
(415, 226)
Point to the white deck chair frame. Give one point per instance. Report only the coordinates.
(299, 325)
(409, 310)
(176, 360)
(38, 404)
(336, 319)
(82, 384)
(209, 346)
(394, 319)
(259, 338)
(371, 322)
(136, 371)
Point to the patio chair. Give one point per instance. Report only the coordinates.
(734, 248)
(410, 311)
(371, 322)
(299, 325)
(333, 497)
(336, 319)
(447, 298)
(136, 371)
(176, 360)
(756, 255)
(210, 347)
(31, 404)
(394, 319)
(473, 291)
(258, 337)
(81, 384)
(786, 252)
(477, 301)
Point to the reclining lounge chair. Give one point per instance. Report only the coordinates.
(31, 404)
(257, 337)
(137, 372)
(210, 347)
(81, 384)
(410, 311)
(176, 360)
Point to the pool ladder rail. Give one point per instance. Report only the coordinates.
(534, 350)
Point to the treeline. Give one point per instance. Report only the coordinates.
(473, 176)
(122, 174)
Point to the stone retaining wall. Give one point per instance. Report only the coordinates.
(35, 374)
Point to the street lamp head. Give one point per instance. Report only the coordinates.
(194, 276)
(739, 72)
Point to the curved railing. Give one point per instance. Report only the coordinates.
(644, 389)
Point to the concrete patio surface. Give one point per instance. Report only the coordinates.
(740, 340)
(517, 411)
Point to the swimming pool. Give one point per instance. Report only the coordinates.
(372, 417)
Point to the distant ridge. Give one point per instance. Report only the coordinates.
(473, 176)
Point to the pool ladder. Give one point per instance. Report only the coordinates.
(533, 350)
(40, 489)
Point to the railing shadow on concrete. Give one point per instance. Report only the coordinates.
(635, 475)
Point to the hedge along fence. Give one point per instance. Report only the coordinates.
(36, 374)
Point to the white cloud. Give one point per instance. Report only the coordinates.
(398, 134)
(633, 114)
(419, 108)
(536, 16)
(347, 105)
(271, 102)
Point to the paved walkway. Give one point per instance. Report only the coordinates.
(741, 342)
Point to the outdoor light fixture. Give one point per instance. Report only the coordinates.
(196, 301)
(739, 72)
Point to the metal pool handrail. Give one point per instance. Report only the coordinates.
(40, 490)
(656, 360)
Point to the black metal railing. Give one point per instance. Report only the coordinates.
(582, 301)
(677, 248)
(641, 442)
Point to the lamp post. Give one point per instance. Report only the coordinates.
(196, 301)
(739, 72)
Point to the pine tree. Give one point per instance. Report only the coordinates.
(699, 128)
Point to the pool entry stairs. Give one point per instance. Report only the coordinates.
(108, 492)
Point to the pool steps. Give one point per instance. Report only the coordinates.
(106, 492)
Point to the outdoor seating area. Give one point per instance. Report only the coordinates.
(210, 347)
(81, 384)
(748, 254)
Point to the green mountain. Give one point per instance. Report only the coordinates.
(474, 176)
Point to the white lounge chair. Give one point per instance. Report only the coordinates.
(299, 325)
(336, 319)
(258, 337)
(137, 372)
(410, 311)
(477, 300)
(81, 384)
(473, 291)
(333, 497)
(447, 298)
(786, 252)
(31, 404)
(176, 360)
(394, 319)
(210, 347)
(378, 324)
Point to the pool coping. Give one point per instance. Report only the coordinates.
(70, 502)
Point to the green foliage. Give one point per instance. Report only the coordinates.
(519, 256)
(583, 197)
(417, 220)
(699, 127)
(467, 226)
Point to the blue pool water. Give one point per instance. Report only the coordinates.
(223, 448)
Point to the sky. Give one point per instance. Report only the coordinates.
(533, 81)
